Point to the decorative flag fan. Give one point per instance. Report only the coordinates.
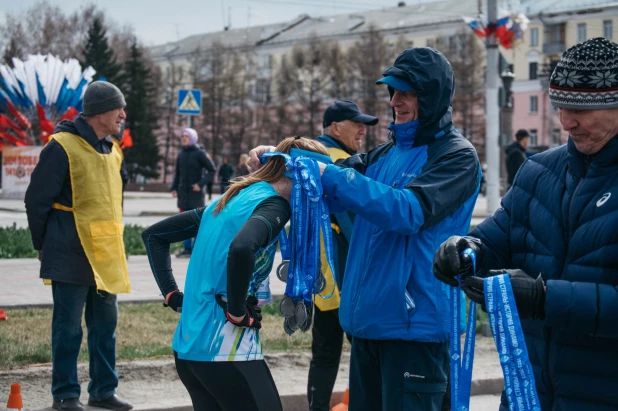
(36, 94)
(509, 27)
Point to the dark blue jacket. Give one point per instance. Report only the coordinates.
(190, 164)
(53, 231)
(409, 196)
(560, 219)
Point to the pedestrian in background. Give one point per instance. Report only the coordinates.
(516, 154)
(190, 178)
(241, 168)
(226, 172)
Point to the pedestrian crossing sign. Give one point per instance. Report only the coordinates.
(189, 101)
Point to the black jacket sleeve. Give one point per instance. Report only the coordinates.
(157, 239)
(360, 162)
(208, 165)
(174, 186)
(514, 160)
(45, 186)
(448, 179)
(124, 174)
(267, 220)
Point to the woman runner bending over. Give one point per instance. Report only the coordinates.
(217, 345)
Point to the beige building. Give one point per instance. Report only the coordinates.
(553, 29)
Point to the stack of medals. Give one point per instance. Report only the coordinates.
(300, 269)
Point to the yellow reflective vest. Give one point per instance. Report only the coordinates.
(332, 303)
(97, 209)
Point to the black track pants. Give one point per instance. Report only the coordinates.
(229, 386)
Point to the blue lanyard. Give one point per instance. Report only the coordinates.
(461, 368)
(519, 381)
(284, 244)
(309, 216)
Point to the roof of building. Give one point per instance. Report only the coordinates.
(392, 18)
(534, 7)
(395, 19)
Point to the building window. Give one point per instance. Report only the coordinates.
(581, 32)
(262, 91)
(266, 62)
(534, 105)
(534, 37)
(608, 29)
(533, 70)
(533, 138)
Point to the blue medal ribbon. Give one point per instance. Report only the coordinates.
(519, 384)
(505, 326)
(309, 215)
(461, 368)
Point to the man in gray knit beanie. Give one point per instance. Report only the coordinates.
(555, 236)
(584, 86)
(101, 97)
(73, 203)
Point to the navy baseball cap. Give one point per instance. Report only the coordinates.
(397, 83)
(342, 110)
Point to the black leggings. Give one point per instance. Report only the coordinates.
(229, 386)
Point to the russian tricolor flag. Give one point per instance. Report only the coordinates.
(476, 26)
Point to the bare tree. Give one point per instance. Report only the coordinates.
(368, 58)
(304, 80)
(169, 82)
(466, 55)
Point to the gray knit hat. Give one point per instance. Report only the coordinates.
(101, 97)
(586, 77)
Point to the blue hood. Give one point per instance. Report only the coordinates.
(431, 75)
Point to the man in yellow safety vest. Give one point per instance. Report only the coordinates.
(74, 208)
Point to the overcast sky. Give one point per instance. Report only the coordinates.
(160, 21)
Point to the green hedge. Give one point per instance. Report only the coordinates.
(17, 243)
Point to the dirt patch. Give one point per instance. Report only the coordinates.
(154, 383)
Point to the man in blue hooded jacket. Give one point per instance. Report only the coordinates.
(409, 195)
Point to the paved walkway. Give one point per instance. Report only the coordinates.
(22, 286)
(145, 209)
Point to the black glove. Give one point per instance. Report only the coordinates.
(39, 254)
(253, 313)
(529, 293)
(175, 301)
(448, 264)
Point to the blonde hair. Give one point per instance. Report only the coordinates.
(272, 171)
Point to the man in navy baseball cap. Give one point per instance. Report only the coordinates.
(344, 122)
(344, 129)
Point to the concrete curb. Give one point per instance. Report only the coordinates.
(298, 402)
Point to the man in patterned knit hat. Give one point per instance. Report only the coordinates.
(556, 236)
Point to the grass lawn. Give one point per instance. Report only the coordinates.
(144, 331)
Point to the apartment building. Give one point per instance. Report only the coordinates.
(554, 26)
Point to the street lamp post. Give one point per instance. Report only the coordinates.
(544, 76)
(506, 119)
